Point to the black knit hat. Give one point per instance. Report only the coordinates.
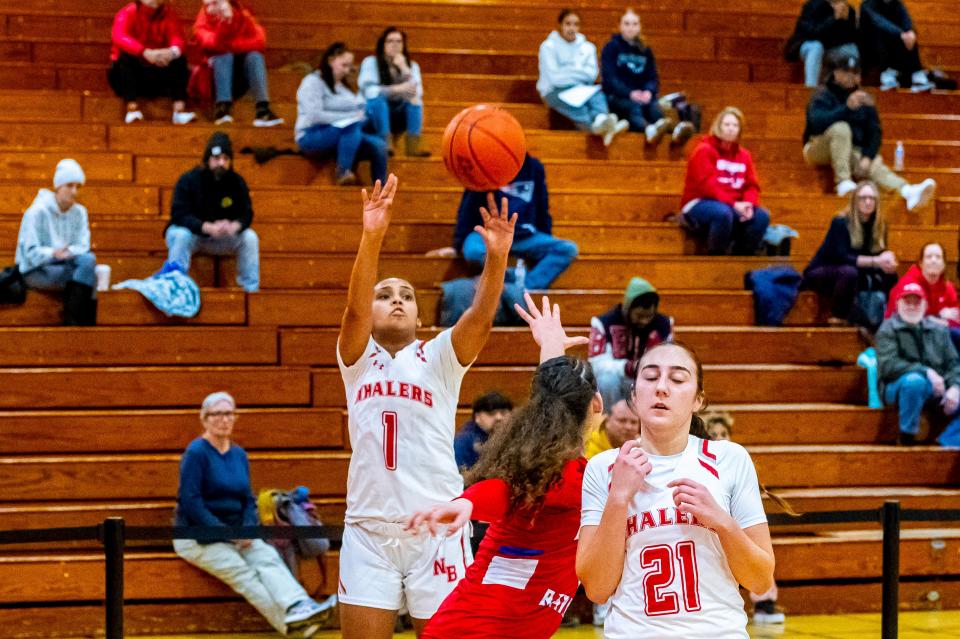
(218, 144)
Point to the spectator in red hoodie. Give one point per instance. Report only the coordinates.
(721, 197)
(941, 295)
(147, 58)
(233, 42)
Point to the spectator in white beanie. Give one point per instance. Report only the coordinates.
(53, 248)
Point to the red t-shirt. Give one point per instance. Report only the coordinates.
(523, 578)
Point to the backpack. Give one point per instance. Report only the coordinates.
(13, 288)
(293, 508)
(870, 302)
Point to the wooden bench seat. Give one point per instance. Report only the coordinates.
(165, 430)
(128, 308)
(265, 429)
(155, 476)
(151, 387)
(763, 383)
(325, 308)
(509, 346)
(162, 575)
(416, 238)
(137, 346)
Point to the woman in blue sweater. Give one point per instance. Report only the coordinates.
(215, 491)
(631, 81)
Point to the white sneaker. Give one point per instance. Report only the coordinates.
(224, 119)
(917, 195)
(600, 124)
(308, 612)
(845, 187)
(888, 80)
(615, 127)
(769, 618)
(920, 82)
(183, 117)
(132, 116)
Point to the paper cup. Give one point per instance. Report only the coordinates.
(103, 277)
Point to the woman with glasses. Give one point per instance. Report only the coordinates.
(854, 257)
(215, 491)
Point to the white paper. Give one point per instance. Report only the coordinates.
(577, 96)
(345, 122)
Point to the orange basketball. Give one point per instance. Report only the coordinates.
(484, 147)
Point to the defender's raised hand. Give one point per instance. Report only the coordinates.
(548, 331)
(376, 207)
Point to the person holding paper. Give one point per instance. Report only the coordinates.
(568, 72)
(331, 117)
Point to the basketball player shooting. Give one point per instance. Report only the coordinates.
(402, 398)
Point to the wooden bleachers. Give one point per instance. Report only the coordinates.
(92, 420)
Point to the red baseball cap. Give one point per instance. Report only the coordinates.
(912, 289)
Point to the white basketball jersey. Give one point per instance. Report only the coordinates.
(402, 413)
(676, 580)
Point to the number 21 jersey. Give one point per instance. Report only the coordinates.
(676, 580)
(402, 413)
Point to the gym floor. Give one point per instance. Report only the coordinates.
(913, 625)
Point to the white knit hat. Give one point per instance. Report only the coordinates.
(68, 172)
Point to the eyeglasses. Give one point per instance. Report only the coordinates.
(227, 414)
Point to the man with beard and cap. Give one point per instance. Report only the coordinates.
(619, 338)
(918, 364)
(211, 213)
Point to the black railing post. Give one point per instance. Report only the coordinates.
(113, 547)
(890, 517)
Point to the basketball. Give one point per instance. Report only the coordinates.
(484, 147)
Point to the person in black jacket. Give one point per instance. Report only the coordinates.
(211, 212)
(630, 80)
(854, 255)
(889, 43)
(843, 130)
(823, 25)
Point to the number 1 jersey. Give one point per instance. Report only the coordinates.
(402, 413)
(676, 581)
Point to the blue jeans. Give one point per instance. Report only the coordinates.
(812, 52)
(582, 116)
(350, 144)
(254, 71)
(182, 243)
(910, 392)
(548, 255)
(639, 115)
(724, 230)
(55, 275)
(394, 116)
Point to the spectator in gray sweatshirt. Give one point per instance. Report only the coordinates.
(569, 61)
(53, 248)
(331, 117)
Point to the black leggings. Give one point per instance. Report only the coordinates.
(131, 77)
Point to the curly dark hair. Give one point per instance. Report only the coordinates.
(530, 451)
